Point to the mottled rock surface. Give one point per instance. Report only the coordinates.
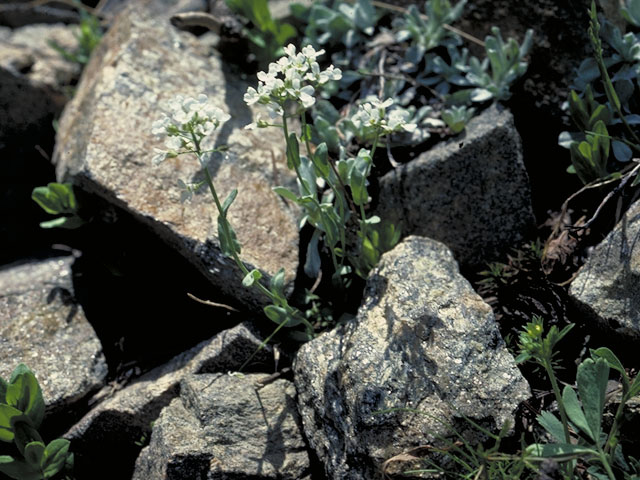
(33, 77)
(116, 424)
(105, 146)
(607, 286)
(424, 340)
(42, 327)
(471, 193)
(222, 427)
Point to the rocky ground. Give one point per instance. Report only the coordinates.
(136, 373)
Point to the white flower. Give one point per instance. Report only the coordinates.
(159, 127)
(251, 96)
(159, 156)
(398, 121)
(173, 143)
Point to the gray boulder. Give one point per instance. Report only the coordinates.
(422, 340)
(223, 427)
(33, 77)
(607, 287)
(118, 423)
(471, 193)
(43, 327)
(105, 146)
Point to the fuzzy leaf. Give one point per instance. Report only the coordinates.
(592, 378)
(575, 413)
(552, 425)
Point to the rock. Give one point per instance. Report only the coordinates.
(607, 287)
(422, 340)
(34, 77)
(139, 67)
(222, 427)
(115, 426)
(16, 14)
(471, 193)
(42, 327)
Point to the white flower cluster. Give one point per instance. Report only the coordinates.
(372, 114)
(293, 77)
(187, 117)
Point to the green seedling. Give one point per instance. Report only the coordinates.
(88, 36)
(58, 199)
(267, 36)
(21, 413)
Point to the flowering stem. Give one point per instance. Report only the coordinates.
(546, 364)
(306, 189)
(222, 217)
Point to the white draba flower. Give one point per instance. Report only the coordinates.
(372, 114)
(186, 118)
(293, 77)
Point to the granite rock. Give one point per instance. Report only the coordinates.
(43, 327)
(33, 77)
(471, 193)
(119, 422)
(105, 146)
(223, 427)
(422, 340)
(607, 287)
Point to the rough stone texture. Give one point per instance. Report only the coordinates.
(424, 340)
(221, 427)
(42, 327)
(471, 193)
(118, 422)
(33, 77)
(16, 14)
(105, 146)
(607, 286)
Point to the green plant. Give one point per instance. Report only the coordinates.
(504, 64)
(267, 36)
(21, 413)
(58, 199)
(187, 130)
(579, 434)
(88, 35)
(457, 117)
(602, 104)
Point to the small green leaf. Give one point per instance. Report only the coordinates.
(575, 413)
(227, 237)
(312, 263)
(276, 314)
(55, 456)
(55, 198)
(34, 453)
(229, 200)
(592, 378)
(286, 193)
(552, 425)
(251, 278)
(293, 152)
(276, 284)
(559, 451)
(69, 223)
(7, 413)
(24, 393)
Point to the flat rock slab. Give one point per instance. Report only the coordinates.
(118, 423)
(222, 427)
(607, 287)
(105, 146)
(471, 193)
(423, 340)
(42, 327)
(33, 77)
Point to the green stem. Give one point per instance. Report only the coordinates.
(605, 463)
(556, 390)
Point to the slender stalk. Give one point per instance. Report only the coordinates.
(556, 390)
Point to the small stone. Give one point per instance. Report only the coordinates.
(471, 193)
(607, 287)
(42, 326)
(224, 427)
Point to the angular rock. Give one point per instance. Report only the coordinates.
(42, 327)
(17, 13)
(105, 146)
(423, 340)
(471, 193)
(115, 425)
(222, 427)
(33, 77)
(607, 287)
